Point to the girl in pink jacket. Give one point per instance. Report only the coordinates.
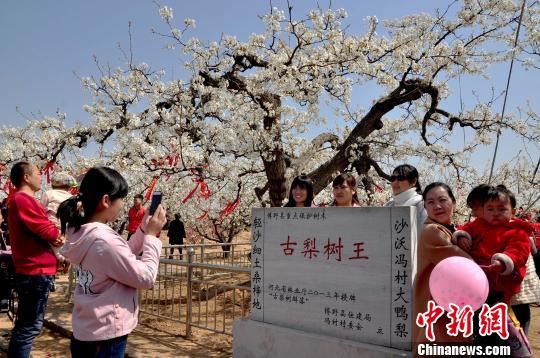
(109, 274)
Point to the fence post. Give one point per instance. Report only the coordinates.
(202, 261)
(232, 255)
(190, 252)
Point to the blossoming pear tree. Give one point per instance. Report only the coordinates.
(231, 134)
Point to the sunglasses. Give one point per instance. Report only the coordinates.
(397, 177)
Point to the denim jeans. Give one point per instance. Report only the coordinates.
(33, 293)
(111, 348)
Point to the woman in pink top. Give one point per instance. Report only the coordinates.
(109, 274)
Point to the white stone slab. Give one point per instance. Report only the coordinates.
(253, 339)
(339, 272)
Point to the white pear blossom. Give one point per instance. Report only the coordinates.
(253, 114)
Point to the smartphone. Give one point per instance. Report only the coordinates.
(156, 200)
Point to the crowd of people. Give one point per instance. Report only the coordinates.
(110, 273)
(108, 269)
(503, 244)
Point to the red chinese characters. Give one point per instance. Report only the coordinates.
(460, 320)
(310, 248)
(358, 248)
(492, 320)
(429, 318)
(287, 249)
(332, 249)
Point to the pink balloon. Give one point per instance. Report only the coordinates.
(459, 281)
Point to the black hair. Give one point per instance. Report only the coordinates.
(478, 195)
(351, 181)
(138, 196)
(177, 216)
(97, 182)
(304, 182)
(410, 173)
(501, 192)
(436, 185)
(18, 171)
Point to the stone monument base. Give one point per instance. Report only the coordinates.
(253, 339)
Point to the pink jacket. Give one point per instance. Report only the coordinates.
(109, 274)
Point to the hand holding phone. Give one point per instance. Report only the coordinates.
(156, 200)
(153, 224)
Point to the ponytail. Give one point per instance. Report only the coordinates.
(70, 215)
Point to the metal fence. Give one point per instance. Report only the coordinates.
(203, 287)
(235, 254)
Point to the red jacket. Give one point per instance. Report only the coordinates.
(30, 232)
(509, 243)
(135, 219)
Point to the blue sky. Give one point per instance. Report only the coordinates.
(44, 42)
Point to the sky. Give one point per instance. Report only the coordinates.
(46, 45)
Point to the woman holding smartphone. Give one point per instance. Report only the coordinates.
(109, 274)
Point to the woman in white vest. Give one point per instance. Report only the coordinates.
(407, 191)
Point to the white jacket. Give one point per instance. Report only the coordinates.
(411, 198)
(530, 286)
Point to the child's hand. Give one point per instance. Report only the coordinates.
(464, 243)
(154, 224)
(59, 241)
(497, 266)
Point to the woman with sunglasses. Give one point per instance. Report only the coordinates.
(407, 191)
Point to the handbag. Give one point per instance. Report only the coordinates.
(517, 340)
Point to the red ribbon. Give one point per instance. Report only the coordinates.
(190, 194)
(9, 188)
(204, 190)
(151, 188)
(203, 216)
(48, 169)
(229, 208)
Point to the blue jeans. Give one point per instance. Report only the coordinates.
(111, 348)
(33, 293)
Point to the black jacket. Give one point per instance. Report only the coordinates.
(176, 232)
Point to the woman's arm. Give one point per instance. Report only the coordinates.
(436, 244)
(121, 264)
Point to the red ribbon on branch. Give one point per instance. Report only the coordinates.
(229, 208)
(9, 188)
(151, 188)
(48, 169)
(204, 190)
(203, 216)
